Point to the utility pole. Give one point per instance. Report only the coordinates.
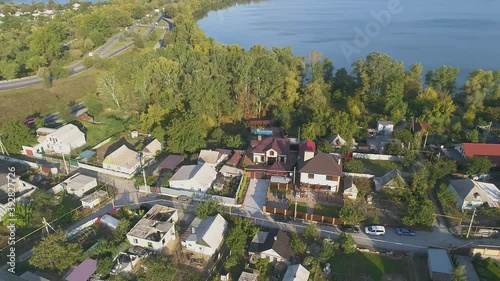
(425, 142)
(471, 221)
(65, 167)
(141, 160)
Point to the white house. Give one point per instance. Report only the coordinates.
(337, 141)
(155, 229)
(22, 190)
(152, 148)
(77, 184)
(211, 157)
(194, 177)
(124, 160)
(323, 169)
(76, 6)
(350, 189)
(296, 272)
(272, 245)
(385, 128)
(92, 200)
(61, 140)
(472, 194)
(205, 236)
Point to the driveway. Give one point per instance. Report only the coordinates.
(256, 197)
(470, 272)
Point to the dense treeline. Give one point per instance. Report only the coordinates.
(30, 43)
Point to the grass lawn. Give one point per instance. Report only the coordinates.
(19, 104)
(327, 211)
(355, 266)
(380, 167)
(487, 269)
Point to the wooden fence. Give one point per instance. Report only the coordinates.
(283, 186)
(303, 216)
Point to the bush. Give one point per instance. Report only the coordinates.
(353, 166)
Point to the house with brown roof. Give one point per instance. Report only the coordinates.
(393, 179)
(488, 150)
(272, 245)
(271, 150)
(421, 126)
(324, 170)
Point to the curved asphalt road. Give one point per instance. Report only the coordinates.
(78, 67)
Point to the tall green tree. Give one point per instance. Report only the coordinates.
(477, 165)
(351, 213)
(14, 135)
(55, 253)
(187, 134)
(443, 79)
(208, 208)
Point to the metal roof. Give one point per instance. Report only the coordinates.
(439, 261)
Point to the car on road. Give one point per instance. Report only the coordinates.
(280, 218)
(350, 228)
(375, 230)
(405, 231)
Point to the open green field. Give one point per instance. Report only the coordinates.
(359, 265)
(487, 269)
(19, 104)
(380, 167)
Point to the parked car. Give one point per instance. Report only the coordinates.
(350, 228)
(375, 230)
(280, 218)
(405, 231)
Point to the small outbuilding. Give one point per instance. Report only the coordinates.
(440, 266)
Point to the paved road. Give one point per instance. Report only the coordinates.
(78, 67)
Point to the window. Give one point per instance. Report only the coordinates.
(310, 176)
(271, 152)
(329, 178)
(262, 158)
(135, 241)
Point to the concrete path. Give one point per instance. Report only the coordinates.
(470, 272)
(256, 197)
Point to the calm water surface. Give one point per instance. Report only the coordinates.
(461, 33)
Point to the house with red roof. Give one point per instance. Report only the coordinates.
(488, 150)
(421, 126)
(270, 157)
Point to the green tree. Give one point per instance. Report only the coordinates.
(93, 104)
(438, 168)
(44, 73)
(444, 79)
(208, 208)
(23, 212)
(39, 122)
(158, 267)
(14, 135)
(459, 273)
(477, 165)
(353, 166)
(327, 251)
(263, 267)
(419, 211)
(446, 196)
(472, 136)
(232, 141)
(296, 243)
(405, 136)
(138, 41)
(480, 85)
(55, 253)
(121, 231)
(186, 134)
(351, 213)
(346, 243)
(395, 148)
(311, 233)
(217, 134)
(104, 266)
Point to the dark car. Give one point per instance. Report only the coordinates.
(350, 228)
(280, 218)
(405, 231)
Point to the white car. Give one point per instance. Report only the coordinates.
(375, 230)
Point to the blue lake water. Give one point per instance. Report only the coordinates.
(461, 33)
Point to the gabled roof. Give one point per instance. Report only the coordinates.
(348, 184)
(307, 145)
(276, 240)
(280, 145)
(336, 140)
(123, 157)
(209, 231)
(490, 150)
(236, 158)
(78, 181)
(419, 126)
(84, 271)
(466, 187)
(245, 276)
(209, 156)
(68, 133)
(201, 173)
(323, 164)
(387, 178)
(152, 147)
(296, 272)
(171, 162)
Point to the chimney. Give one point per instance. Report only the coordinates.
(339, 162)
(308, 155)
(193, 230)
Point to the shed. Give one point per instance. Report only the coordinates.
(440, 266)
(110, 221)
(84, 271)
(171, 162)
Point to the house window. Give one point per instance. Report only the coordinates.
(262, 158)
(163, 241)
(135, 241)
(329, 178)
(271, 153)
(150, 244)
(310, 176)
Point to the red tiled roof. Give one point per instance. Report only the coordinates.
(280, 145)
(419, 126)
(235, 159)
(307, 145)
(490, 150)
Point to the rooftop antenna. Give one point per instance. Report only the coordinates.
(2, 147)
